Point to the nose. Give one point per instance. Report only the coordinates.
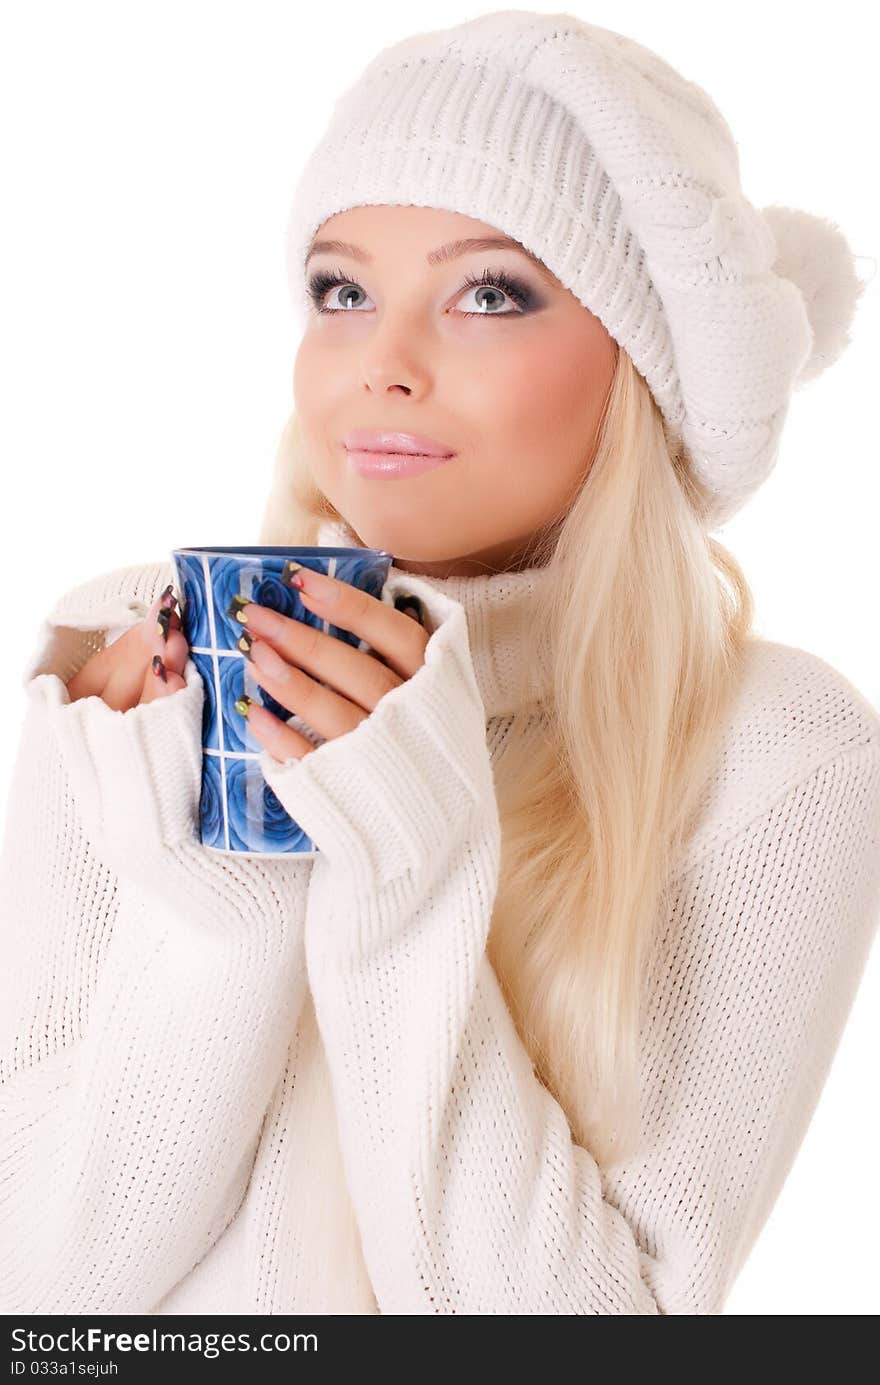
(391, 360)
(382, 376)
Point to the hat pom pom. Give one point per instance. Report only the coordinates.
(814, 254)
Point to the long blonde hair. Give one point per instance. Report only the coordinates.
(645, 626)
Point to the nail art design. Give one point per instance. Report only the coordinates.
(168, 598)
(244, 643)
(159, 668)
(410, 605)
(243, 705)
(236, 609)
(163, 623)
(288, 574)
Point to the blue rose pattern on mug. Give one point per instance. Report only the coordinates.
(238, 810)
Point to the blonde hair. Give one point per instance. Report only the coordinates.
(645, 624)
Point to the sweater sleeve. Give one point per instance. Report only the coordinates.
(150, 990)
(470, 1192)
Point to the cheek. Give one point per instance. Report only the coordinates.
(304, 379)
(556, 387)
(317, 390)
(539, 402)
(531, 389)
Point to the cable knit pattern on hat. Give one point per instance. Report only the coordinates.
(234, 1086)
(623, 177)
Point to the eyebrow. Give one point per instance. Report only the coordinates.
(452, 250)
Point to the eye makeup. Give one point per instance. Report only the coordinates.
(515, 289)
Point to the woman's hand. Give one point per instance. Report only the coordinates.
(145, 663)
(288, 657)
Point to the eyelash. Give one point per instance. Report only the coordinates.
(519, 293)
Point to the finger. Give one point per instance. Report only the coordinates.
(353, 674)
(163, 606)
(326, 711)
(174, 651)
(160, 618)
(123, 687)
(160, 681)
(168, 598)
(101, 676)
(134, 681)
(399, 640)
(282, 741)
(91, 679)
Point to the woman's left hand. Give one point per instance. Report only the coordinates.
(288, 657)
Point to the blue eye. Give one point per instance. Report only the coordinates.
(320, 285)
(500, 281)
(519, 293)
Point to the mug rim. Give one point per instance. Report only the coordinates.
(289, 550)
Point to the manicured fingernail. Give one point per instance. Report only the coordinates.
(243, 705)
(236, 609)
(310, 583)
(159, 668)
(410, 605)
(292, 574)
(244, 643)
(163, 623)
(168, 597)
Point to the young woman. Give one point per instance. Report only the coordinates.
(541, 1029)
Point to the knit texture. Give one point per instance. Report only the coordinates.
(234, 1085)
(623, 176)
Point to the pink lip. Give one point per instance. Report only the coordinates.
(393, 463)
(360, 440)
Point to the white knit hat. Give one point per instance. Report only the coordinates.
(623, 177)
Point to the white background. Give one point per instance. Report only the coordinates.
(146, 341)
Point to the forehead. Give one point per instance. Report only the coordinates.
(443, 236)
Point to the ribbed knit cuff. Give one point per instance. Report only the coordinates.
(397, 792)
(135, 775)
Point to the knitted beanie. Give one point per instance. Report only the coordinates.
(623, 177)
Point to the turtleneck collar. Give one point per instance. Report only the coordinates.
(496, 606)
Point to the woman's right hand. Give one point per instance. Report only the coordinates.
(130, 671)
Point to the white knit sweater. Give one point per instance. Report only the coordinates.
(243, 1085)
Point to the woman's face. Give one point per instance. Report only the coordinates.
(515, 390)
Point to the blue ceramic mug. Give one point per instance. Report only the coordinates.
(238, 810)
